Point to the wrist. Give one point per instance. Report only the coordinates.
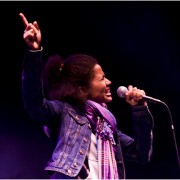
(36, 50)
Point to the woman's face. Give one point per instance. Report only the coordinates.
(99, 90)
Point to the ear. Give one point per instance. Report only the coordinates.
(83, 89)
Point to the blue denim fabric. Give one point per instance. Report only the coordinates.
(70, 131)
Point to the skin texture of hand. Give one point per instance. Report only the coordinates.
(134, 96)
(32, 33)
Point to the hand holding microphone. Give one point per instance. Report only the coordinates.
(135, 96)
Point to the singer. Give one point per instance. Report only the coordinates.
(83, 132)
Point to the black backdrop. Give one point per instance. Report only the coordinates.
(136, 43)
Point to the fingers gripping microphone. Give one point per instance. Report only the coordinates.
(121, 91)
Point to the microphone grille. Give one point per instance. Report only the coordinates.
(121, 91)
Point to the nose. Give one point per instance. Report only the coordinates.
(108, 82)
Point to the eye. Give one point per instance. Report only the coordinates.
(103, 77)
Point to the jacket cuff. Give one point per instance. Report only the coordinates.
(36, 50)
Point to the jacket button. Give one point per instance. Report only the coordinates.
(81, 152)
(75, 164)
(77, 118)
(85, 140)
(89, 126)
(69, 171)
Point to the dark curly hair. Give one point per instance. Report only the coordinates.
(69, 80)
(51, 75)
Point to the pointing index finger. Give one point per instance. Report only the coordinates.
(24, 20)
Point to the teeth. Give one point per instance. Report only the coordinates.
(108, 93)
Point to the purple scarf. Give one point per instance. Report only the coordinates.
(104, 125)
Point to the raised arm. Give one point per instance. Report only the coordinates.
(138, 148)
(38, 107)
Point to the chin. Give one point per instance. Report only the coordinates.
(109, 99)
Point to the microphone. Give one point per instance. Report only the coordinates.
(121, 91)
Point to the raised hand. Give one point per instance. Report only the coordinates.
(32, 33)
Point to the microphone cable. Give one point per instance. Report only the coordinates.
(173, 131)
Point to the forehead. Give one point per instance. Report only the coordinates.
(98, 69)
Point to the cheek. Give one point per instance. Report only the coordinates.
(97, 89)
(100, 89)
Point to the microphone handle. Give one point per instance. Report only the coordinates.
(150, 99)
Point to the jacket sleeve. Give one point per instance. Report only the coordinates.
(37, 106)
(138, 148)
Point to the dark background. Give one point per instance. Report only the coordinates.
(136, 43)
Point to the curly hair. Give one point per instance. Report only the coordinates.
(51, 75)
(69, 80)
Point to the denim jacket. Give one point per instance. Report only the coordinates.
(70, 130)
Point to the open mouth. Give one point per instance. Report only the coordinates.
(108, 93)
